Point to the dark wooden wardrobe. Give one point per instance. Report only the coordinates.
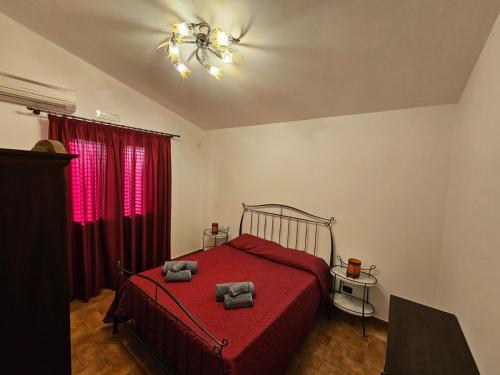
(34, 302)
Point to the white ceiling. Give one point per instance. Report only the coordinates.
(301, 59)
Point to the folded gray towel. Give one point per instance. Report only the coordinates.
(191, 265)
(241, 300)
(222, 289)
(179, 266)
(184, 275)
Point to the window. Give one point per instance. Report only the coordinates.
(88, 173)
(133, 172)
(87, 176)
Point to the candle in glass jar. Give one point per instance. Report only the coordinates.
(353, 268)
(215, 228)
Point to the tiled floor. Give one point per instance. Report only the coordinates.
(334, 346)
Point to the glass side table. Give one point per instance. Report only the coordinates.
(348, 303)
(208, 237)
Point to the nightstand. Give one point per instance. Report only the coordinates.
(348, 303)
(222, 234)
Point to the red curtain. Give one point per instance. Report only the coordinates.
(118, 199)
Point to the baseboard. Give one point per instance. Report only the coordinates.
(190, 253)
(373, 319)
(382, 323)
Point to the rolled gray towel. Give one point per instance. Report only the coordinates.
(191, 265)
(240, 288)
(222, 289)
(241, 300)
(184, 275)
(179, 266)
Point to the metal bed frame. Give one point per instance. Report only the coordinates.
(215, 344)
(281, 224)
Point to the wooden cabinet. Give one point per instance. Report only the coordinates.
(422, 340)
(33, 263)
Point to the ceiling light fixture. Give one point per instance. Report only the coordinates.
(211, 45)
(227, 57)
(182, 69)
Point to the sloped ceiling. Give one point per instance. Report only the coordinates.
(300, 59)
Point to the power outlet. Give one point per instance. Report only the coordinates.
(346, 289)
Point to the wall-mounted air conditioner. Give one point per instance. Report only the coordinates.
(37, 95)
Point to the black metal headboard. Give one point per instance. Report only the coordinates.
(288, 226)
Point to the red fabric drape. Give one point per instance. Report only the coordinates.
(118, 199)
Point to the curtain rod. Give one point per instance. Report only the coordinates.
(37, 111)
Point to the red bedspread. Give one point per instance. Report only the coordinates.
(289, 288)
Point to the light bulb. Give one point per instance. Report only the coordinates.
(182, 28)
(173, 51)
(227, 57)
(215, 71)
(222, 38)
(182, 68)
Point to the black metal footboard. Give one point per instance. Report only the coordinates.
(178, 348)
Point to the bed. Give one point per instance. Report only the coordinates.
(190, 333)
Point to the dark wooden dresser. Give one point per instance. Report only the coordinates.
(34, 303)
(425, 341)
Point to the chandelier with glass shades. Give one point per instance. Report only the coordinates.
(212, 47)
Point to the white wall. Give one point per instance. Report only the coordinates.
(470, 262)
(383, 176)
(25, 53)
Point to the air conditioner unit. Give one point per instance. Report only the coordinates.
(36, 95)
